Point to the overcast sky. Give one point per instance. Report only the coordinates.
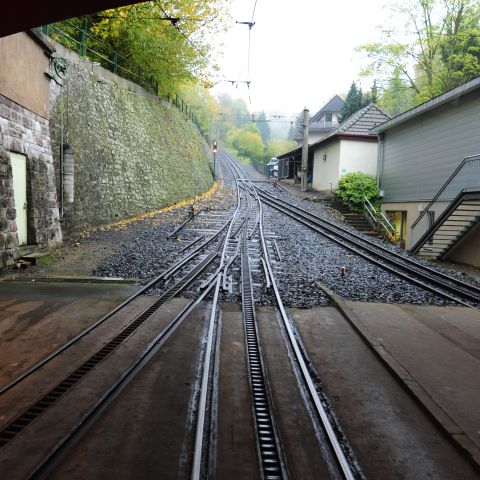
(302, 51)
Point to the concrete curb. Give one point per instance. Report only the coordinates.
(98, 280)
(449, 427)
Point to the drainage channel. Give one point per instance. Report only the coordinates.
(269, 449)
(25, 419)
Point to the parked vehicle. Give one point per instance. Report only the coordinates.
(273, 167)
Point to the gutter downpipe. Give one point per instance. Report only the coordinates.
(61, 152)
(380, 160)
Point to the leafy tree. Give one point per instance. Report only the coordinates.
(356, 100)
(263, 127)
(231, 114)
(171, 52)
(353, 102)
(438, 49)
(247, 141)
(354, 187)
(277, 147)
(202, 102)
(397, 97)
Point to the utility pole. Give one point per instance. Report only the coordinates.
(305, 150)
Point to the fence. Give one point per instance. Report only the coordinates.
(86, 45)
(260, 167)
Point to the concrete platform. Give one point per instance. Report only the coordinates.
(435, 352)
(48, 314)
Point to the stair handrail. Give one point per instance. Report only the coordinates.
(443, 187)
(378, 217)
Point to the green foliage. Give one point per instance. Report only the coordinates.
(147, 44)
(231, 114)
(353, 102)
(356, 100)
(397, 97)
(277, 147)
(263, 127)
(47, 260)
(202, 102)
(246, 141)
(353, 187)
(438, 49)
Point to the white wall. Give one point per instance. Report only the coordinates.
(326, 172)
(343, 156)
(358, 156)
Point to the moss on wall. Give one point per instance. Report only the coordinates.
(133, 152)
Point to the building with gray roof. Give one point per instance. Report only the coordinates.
(350, 147)
(323, 122)
(429, 159)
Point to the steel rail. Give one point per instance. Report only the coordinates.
(335, 444)
(65, 445)
(267, 438)
(183, 261)
(198, 449)
(22, 421)
(461, 288)
(346, 242)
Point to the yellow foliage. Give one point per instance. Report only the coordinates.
(123, 224)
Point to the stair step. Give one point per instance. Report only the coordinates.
(32, 258)
(21, 264)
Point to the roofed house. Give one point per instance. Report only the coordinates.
(429, 171)
(351, 147)
(323, 122)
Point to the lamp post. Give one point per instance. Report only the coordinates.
(214, 150)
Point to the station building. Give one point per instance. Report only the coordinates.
(429, 173)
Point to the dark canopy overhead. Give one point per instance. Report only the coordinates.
(17, 17)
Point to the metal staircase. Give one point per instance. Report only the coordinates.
(452, 213)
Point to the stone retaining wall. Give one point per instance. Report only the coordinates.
(132, 151)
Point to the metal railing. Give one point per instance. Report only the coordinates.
(379, 219)
(465, 176)
(260, 166)
(87, 45)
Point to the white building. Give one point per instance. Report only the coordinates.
(350, 147)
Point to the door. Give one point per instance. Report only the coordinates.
(19, 172)
(399, 220)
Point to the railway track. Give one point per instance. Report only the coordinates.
(235, 257)
(190, 269)
(407, 268)
(269, 442)
(193, 257)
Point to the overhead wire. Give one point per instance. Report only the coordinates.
(176, 27)
(252, 23)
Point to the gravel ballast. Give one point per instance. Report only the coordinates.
(143, 249)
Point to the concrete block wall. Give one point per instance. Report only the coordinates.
(133, 152)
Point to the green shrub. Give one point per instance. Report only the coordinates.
(353, 187)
